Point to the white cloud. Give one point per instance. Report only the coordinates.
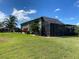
(31, 12)
(76, 3)
(56, 17)
(56, 10)
(22, 14)
(2, 16)
(77, 24)
(72, 18)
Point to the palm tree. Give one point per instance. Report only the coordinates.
(10, 23)
(1, 24)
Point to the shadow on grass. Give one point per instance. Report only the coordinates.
(64, 36)
(68, 36)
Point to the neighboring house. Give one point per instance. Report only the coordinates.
(4, 29)
(49, 27)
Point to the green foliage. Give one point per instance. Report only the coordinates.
(77, 29)
(1, 24)
(34, 27)
(10, 23)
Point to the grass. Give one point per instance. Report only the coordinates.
(23, 46)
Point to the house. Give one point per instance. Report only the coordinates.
(5, 29)
(48, 27)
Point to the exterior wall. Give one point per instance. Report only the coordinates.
(52, 29)
(40, 27)
(48, 28)
(26, 27)
(57, 30)
(60, 30)
(45, 31)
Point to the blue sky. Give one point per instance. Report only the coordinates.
(65, 10)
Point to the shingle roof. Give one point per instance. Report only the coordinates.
(50, 20)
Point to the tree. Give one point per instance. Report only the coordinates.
(1, 24)
(34, 27)
(10, 23)
(77, 29)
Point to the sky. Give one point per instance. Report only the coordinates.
(66, 11)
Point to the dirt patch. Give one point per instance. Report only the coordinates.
(2, 40)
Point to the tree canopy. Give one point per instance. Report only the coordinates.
(10, 23)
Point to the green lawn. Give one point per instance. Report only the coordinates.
(23, 46)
